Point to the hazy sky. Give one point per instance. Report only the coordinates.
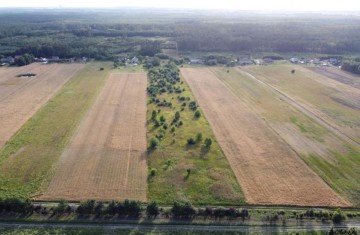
(281, 5)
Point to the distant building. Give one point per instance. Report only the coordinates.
(134, 60)
(268, 61)
(7, 60)
(196, 61)
(244, 62)
(294, 60)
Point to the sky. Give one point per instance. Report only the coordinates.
(263, 5)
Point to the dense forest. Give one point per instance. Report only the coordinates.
(104, 34)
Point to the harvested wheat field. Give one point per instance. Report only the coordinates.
(268, 170)
(21, 97)
(106, 157)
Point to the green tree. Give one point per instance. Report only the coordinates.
(152, 209)
(197, 114)
(154, 142)
(207, 142)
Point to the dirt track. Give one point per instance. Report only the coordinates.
(106, 157)
(268, 170)
(20, 98)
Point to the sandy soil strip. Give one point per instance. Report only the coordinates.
(268, 170)
(106, 158)
(20, 98)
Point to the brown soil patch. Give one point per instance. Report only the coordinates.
(268, 170)
(20, 98)
(106, 160)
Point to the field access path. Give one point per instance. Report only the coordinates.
(268, 170)
(22, 97)
(106, 159)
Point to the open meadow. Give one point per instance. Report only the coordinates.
(27, 159)
(22, 97)
(106, 159)
(268, 170)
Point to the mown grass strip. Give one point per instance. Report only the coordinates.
(26, 161)
(180, 171)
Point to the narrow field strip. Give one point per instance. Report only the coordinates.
(106, 159)
(268, 170)
(27, 159)
(21, 98)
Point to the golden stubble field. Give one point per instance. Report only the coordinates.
(22, 97)
(106, 159)
(268, 170)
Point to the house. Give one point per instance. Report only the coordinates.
(196, 61)
(294, 60)
(42, 60)
(8, 60)
(268, 61)
(316, 61)
(244, 62)
(334, 61)
(134, 60)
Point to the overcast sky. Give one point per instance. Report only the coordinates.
(278, 5)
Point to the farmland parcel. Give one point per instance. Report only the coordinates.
(26, 160)
(269, 171)
(317, 114)
(106, 158)
(21, 97)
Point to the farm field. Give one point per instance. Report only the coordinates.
(21, 97)
(329, 155)
(336, 103)
(27, 160)
(184, 172)
(338, 75)
(106, 159)
(269, 171)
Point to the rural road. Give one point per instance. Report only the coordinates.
(157, 227)
(304, 109)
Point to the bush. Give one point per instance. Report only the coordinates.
(152, 172)
(197, 114)
(152, 209)
(153, 143)
(338, 217)
(191, 141)
(198, 137)
(61, 207)
(207, 142)
(181, 209)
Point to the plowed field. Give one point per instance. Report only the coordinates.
(106, 157)
(268, 170)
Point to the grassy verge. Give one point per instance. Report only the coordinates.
(181, 171)
(26, 161)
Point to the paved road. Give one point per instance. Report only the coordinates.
(203, 228)
(306, 110)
